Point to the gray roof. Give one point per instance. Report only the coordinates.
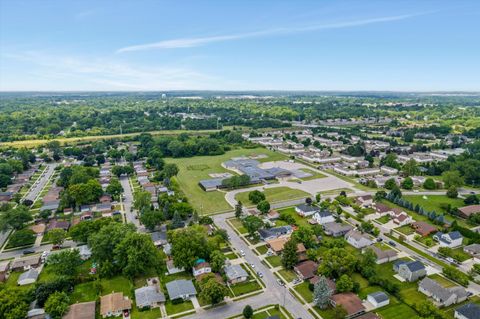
(474, 248)
(455, 235)
(148, 295)
(211, 183)
(178, 288)
(415, 266)
(29, 274)
(324, 213)
(159, 236)
(335, 227)
(275, 231)
(439, 291)
(235, 271)
(379, 296)
(308, 208)
(469, 310)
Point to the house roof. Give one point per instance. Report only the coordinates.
(473, 248)
(358, 236)
(4, 266)
(234, 272)
(379, 296)
(387, 253)
(469, 210)
(382, 208)
(323, 213)
(307, 208)
(29, 274)
(114, 302)
(38, 228)
(335, 227)
(424, 228)
(26, 261)
(455, 235)
(415, 266)
(275, 231)
(201, 265)
(83, 310)
(469, 311)
(148, 295)
(307, 268)
(349, 301)
(178, 288)
(439, 291)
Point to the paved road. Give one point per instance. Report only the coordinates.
(273, 294)
(128, 204)
(41, 182)
(19, 252)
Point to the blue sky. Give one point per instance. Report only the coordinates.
(239, 45)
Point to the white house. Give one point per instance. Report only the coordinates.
(378, 299)
(400, 217)
(357, 239)
(323, 217)
(451, 240)
(365, 201)
(202, 267)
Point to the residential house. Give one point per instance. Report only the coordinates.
(350, 302)
(443, 297)
(468, 211)
(473, 250)
(58, 224)
(201, 267)
(82, 310)
(235, 274)
(400, 217)
(114, 304)
(274, 232)
(306, 269)
(38, 229)
(4, 268)
(28, 277)
(424, 229)
(384, 256)
(172, 269)
(357, 239)
(25, 263)
(382, 209)
(305, 210)
(148, 297)
(388, 170)
(323, 217)
(181, 288)
(410, 270)
(6, 196)
(451, 240)
(86, 216)
(467, 311)
(365, 201)
(277, 244)
(336, 229)
(273, 215)
(378, 299)
(85, 252)
(159, 238)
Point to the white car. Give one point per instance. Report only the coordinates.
(242, 253)
(253, 266)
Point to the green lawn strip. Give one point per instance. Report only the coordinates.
(211, 202)
(302, 290)
(397, 311)
(384, 219)
(288, 275)
(405, 229)
(274, 194)
(245, 287)
(231, 256)
(181, 307)
(237, 224)
(315, 175)
(84, 292)
(262, 249)
(146, 314)
(275, 261)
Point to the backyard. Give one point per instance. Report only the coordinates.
(194, 169)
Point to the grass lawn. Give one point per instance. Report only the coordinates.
(405, 229)
(384, 219)
(274, 194)
(302, 290)
(268, 314)
(288, 275)
(262, 249)
(275, 261)
(245, 287)
(181, 307)
(231, 256)
(117, 284)
(237, 223)
(433, 202)
(194, 169)
(299, 220)
(397, 311)
(147, 314)
(84, 292)
(315, 175)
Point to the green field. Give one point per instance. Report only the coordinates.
(433, 202)
(274, 194)
(194, 169)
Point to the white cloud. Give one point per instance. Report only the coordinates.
(195, 42)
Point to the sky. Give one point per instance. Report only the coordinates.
(146, 45)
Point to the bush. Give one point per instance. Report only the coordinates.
(177, 301)
(452, 192)
(429, 184)
(22, 237)
(256, 196)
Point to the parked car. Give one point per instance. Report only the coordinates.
(391, 242)
(28, 251)
(280, 282)
(259, 274)
(242, 253)
(251, 264)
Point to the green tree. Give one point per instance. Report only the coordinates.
(22, 237)
(170, 170)
(336, 262)
(452, 178)
(322, 293)
(238, 209)
(390, 160)
(252, 224)
(188, 245)
(344, 283)
(15, 218)
(57, 236)
(410, 168)
(211, 290)
(247, 312)
(407, 183)
(57, 304)
(429, 184)
(368, 263)
(452, 192)
(177, 221)
(263, 207)
(289, 254)
(339, 312)
(390, 183)
(217, 260)
(256, 196)
(151, 218)
(305, 235)
(65, 262)
(13, 303)
(114, 188)
(141, 200)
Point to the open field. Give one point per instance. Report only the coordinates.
(274, 194)
(194, 169)
(434, 202)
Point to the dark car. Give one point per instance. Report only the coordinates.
(392, 243)
(28, 251)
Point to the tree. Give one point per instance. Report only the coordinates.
(22, 237)
(217, 260)
(170, 170)
(247, 312)
(65, 262)
(142, 200)
(390, 160)
(57, 236)
(452, 192)
(238, 209)
(308, 201)
(151, 218)
(211, 290)
(188, 245)
(252, 224)
(368, 263)
(14, 303)
(45, 289)
(136, 254)
(336, 262)
(452, 178)
(380, 195)
(15, 218)
(82, 231)
(305, 235)
(263, 207)
(395, 192)
(322, 293)
(344, 283)
(57, 304)
(339, 312)
(177, 221)
(410, 168)
(114, 188)
(289, 254)
(407, 183)
(256, 196)
(471, 200)
(318, 197)
(390, 183)
(429, 184)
